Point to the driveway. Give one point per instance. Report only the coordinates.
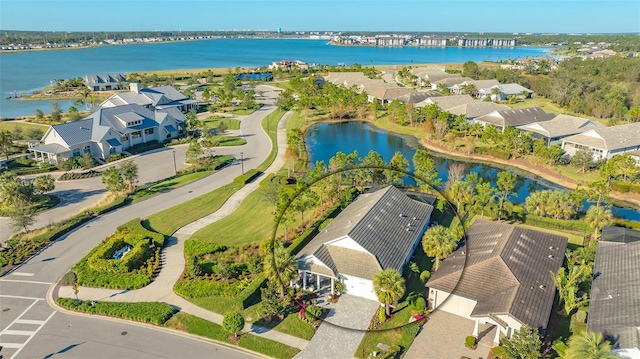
(443, 337)
(341, 332)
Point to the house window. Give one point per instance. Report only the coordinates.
(135, 134)
(148, 131)
(112, 150)
(87, 149)
(76, 152)
(124, 137)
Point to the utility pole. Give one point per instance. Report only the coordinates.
(175, 170)
(242, 161)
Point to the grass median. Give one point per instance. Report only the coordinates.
(194, 325)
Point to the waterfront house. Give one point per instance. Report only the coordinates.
(504, 91)
(160, 98)
(561, 126)
(614, 309)
(514, 117)
(500, 276)
(431, 76)
(605, 142)
(105, 82)
(379, 230)
(107, 131)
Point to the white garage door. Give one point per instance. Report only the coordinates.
(359, 287)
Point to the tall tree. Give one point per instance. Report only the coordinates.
(21, 215)
(425, 169)
(598, 217)
(233, 322)
(44, 184)
(483, 201)
(583, 160)
(389, 287)
(588, 345)
(506, 184)
(567, 284)
(523, 344)
(6, 142)
(401, 164)
(438, 242)
(280, 266)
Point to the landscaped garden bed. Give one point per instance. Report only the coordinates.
(144, 312)
(70, 176)
(138, 259)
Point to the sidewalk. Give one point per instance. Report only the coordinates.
(173, 263)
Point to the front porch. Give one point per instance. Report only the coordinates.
(52, 153)
(315, 282)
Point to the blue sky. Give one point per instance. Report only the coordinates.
(539, 16)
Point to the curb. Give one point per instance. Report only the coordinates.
(51, 302)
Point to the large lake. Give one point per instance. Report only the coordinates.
(27, 71)
(325, 139)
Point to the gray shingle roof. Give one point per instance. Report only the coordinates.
(516, 117)
(506, 270)
(377, 221)
(418, 96)
(91, 79)
(476, 109)
(447, 102)
(52, 148)
(615, 293)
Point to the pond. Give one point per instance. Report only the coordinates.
(324, 140)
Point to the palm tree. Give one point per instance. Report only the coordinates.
(484, 199)
(588, 345)
(496, 93)
(280, 266)
(598, 217)
(6, 142)
(438, 242)
(389, 287)
(470, 89)
(567, 285)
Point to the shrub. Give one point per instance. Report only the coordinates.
(250, 295)
(567, 224)
(419, 304)
(382, 314)
(233, 323)
(194, 247)
(425, 276)
(470, 342)
(247, 177)
(69, 176)
(390, 353)
(145, 312)
(68, 278)
(311, 314)
(625, 187)
(115, 157)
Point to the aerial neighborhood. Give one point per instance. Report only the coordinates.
(303, 210)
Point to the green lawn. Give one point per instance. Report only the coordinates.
(572, 173)
(167, 222)
(291, 324)
(221, 140)
(243, 112)
(11, 125)
(231, 123)
(194, 325)
(391, 333)
(250, 223)
(167, 185)
(548, 106)
(384, 123)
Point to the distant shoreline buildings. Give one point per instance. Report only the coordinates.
(421, 41)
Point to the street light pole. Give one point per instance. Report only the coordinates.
(242, 161)
(175, 169)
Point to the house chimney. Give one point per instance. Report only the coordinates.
(134, 87)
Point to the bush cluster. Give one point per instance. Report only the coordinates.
(567, 224)
(145, 312)
(69, 176)
(208, 288)
(247, 177)
(625, 187)
(115, 157)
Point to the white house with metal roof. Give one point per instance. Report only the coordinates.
(605, 142)
(379, 230)
(105, 82)
(514, 117)
(161, 97)
(500, 92)
(108, 131)
(561, 126)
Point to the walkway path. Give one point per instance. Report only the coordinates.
(173, 263)
(342, 330)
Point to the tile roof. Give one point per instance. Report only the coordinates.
(516, 117)
(477, 109)
(450, 81)
(435, 75)
(506, 270)
(507, 89)
(447, 102)
(378, 222)
(614, 309)
(609, 138)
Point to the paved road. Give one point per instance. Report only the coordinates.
(23, 290)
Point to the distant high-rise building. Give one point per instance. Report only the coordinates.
(279, 30)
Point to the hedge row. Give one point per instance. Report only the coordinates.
(625, 187)
(251, 294)
(32, 170)
(247, 177)
(114, 157)
(567, 224)
(194, 248)
(145, 312)
(69, 176)
(102, 259)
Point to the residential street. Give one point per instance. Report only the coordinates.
(32, 329)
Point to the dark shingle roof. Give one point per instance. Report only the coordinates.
(516, 117)
(505, 269)
(379, 223)
(615, 293)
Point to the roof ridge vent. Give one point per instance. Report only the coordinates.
(551, 256)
